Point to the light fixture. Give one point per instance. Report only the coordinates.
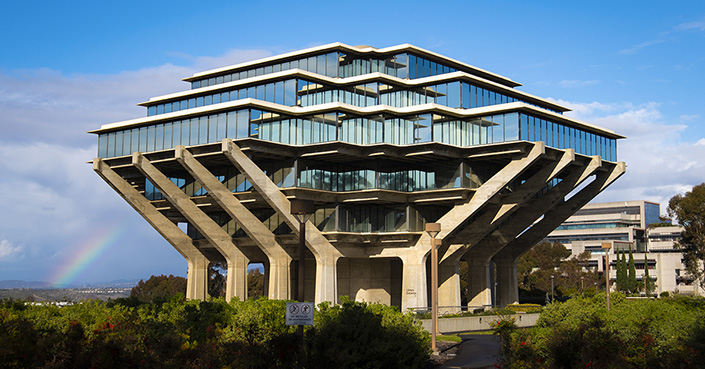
(433, 229)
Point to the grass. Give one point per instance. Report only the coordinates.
(456, 337)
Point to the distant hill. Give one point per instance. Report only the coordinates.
(118, 283)
(10, 284)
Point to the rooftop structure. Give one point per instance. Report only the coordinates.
(383, 140)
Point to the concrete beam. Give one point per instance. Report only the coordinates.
(279, 261)
(325, 254)
(236, 283)
(509, 255)
(197, 277)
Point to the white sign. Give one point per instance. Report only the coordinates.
(299, 313)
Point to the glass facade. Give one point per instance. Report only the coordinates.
(342, 218)
(333, 126)
(339, 64)
(300, 92)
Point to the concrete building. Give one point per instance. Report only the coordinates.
(626, 224)
(383, 140)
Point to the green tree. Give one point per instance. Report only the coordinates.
(255, 283)
(648, 283)
(217, 276)
(689, 209)
(633, 288)
(535, 268)
(621, 272)
(158, 288)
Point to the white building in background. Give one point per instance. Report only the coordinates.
(625, 224)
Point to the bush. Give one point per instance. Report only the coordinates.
(361, 335)
(197, 334)
(633, 334)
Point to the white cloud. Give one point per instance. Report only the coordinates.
(666, 36)
(660, 162)
(7, 249)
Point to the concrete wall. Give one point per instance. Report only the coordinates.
(477, 323)
(371, 280)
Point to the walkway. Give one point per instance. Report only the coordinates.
(476, 351)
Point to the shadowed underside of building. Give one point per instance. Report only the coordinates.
(383, 141)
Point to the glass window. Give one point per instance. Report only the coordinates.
(524, 128)
(159, 137)
(466, 95)
(176, 133)
(243, 123)
(511, 127)
(332, 64)
(150, 138)
(134, 141)
(454, 94)
(193, 137)
(255, 118)
(186, 132)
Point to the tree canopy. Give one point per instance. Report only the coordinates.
(689, 209)
(158, 288)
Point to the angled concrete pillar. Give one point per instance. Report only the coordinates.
(236, 282)
(413, 280)
(554, 216)
(449, 289)
(197, 276)
(507, 284)
(479, 282)
(278, 273)
(325, 254)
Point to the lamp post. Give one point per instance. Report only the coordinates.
(433, 229)
(302, 210)
(552, 278)
(607, 246)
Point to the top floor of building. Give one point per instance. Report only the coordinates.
(398, 95)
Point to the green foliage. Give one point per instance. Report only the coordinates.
(158, 288)
(196, 334)
(255, 283)
(634, 334)
(632, 285)
(360, 335)
(622, 273)
(689, 209)
(525, 308)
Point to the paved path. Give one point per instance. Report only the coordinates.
(476, 351)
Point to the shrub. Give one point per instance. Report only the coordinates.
(633, 334)
(361, 335)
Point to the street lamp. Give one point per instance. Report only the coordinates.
(433, 229)
(552, 278)
(607, 246)
(302, 210)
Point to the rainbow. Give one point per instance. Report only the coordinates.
(86, 254)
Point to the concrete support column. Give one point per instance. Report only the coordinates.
(197, 278)
(449, 289)
(326, 277)
(507, 284)
(479, 281)
(236, 280)
(413, 284)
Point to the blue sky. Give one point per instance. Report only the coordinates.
(636, 67)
